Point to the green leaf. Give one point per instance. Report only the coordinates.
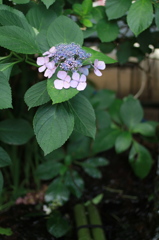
(1, 185)
(78, 146)
(48, 170)
(58, 96)
(40, 18)
(57, 192)
(21, 1)
(96, 162)
(84, 115)
(91, 164)
(6, 231)
(114, 110)
(18, 40)
(89, 32)
(97, 55)
(145, 40)
(86, 22)
(123, 142)
(107, 30)
(74, 183)
(136, 16)
(98, 13)
(4, 158)
(57, 225)
(117, 8)
(48, 3)
(103, 119)
(131, 112)
(42, 42)
(107, 47)
(37, 95)
(64, 30)
(5, 93)
(157, 17)
(140, 160)
(12, 17)
(103, 99)
(53, 126)
(56, 155)
(78, 9)
(6, 68)
(15, 131)
(87, 6)
(145, 129)
(92, 171)
(124, 52)
(105, 140)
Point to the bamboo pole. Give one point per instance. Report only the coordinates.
(95, 219)
(81, 220)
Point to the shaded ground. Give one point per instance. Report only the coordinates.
(128, 208)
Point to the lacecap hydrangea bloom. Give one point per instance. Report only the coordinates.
(68, 60)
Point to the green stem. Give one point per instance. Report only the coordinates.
(17, 56)
(3, 58)
(81, 220)
(95, 219)
(15, 168)
(7, 205)
(31, 63)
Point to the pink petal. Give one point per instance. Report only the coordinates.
(42, 68)
(50, 65)
(75, 76)
(81, 86)
(96, 62)
(46, 60)
(62, 74)
(48, 73)
(73, 84)
(68, 78)
(84, 70)
(58, 84)
(52, 50)
(46, 53)
(40, 61)
(83, 78)
(97, 72)
(101, 65)
(66, 85)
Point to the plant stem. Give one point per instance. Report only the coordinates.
(17, 56)
(95, 219)
(81, 220)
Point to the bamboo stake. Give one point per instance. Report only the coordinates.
(81, 220)
(95, 219)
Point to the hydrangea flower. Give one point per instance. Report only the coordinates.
(67, 61)
(50, 52)
(42, 61)
(51, 68)
(78, 81)
(63, 81)
(98, 65)
(84, 69)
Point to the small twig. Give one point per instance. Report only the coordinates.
(121, 193)
(113, 190)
